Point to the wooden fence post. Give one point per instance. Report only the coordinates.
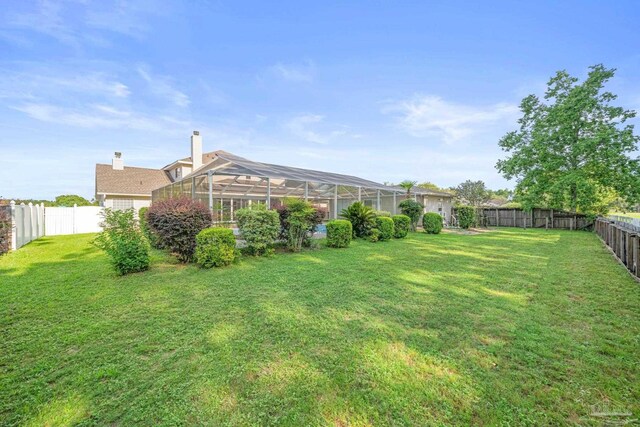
(636, 255)
(629, 250)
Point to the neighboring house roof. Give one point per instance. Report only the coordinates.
(130, 180)
(427, 192)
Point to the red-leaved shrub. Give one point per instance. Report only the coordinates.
(177, 222)
(5, 230)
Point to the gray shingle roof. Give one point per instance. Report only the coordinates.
(131, 180)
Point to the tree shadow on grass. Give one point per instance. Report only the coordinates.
(390, 335)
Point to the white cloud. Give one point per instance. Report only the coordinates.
(301, 125)
(312, 128)
(431, 116)
(48, 82)
(79, 22)
(102, 116)
(304, 73)
(162, 87)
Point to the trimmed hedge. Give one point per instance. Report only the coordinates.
(401, 226)
(259, 227)
(466, 216)
(383, 213)
(176, 222)
(339, 233)
(374, 235)
(123, 241)
(385, 226)
(215, 247)
(432, 223)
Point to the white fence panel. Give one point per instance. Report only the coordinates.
(82, 219)
(27, 223)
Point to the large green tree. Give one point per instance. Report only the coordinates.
(474, 193)
(69, 200)
(574, 150)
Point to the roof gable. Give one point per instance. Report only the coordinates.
(130, 180)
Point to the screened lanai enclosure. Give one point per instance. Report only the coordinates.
(230, 182)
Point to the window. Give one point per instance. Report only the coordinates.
(178, 173)
(122, 204)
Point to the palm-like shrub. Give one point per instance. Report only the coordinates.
(401, 226)
(361, 217)
(432, 223)
(413, 210)
(123, 241)
(385, 225)
(176, 222)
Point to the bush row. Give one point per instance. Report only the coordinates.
(183, 226)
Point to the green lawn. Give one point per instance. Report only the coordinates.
(629, 214)
(508, 327)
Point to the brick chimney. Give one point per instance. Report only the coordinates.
(196, 150)
(117, 163)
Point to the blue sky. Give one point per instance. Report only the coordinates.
(386, 90)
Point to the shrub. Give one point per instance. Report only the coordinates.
(176, 222)
(215, 247)
(466, 216)
(383, 213)
(298, 220)
(123, 241)
(339, 233)
(259, 227)
(385, 226)
(143, 220)
(5, 231)
(401, 226)
(432, 223)
(413, 210)
(361, 217)
(374, 235)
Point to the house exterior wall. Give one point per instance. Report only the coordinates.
(113, 201)
(438, 204)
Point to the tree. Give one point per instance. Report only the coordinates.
(68, 200)
(474, 193)
(429, 186)
(408, 185)
(573, 149)
(413, 210)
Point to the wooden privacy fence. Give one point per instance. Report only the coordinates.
(623, 239)
(536, 218)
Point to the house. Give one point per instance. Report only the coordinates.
(227, 182)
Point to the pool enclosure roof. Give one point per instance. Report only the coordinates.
(225, 163)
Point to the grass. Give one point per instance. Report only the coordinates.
(512, 327)
(629, 214)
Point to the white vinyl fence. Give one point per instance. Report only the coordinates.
(27, 224)
(75, 220)
(30, 222)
